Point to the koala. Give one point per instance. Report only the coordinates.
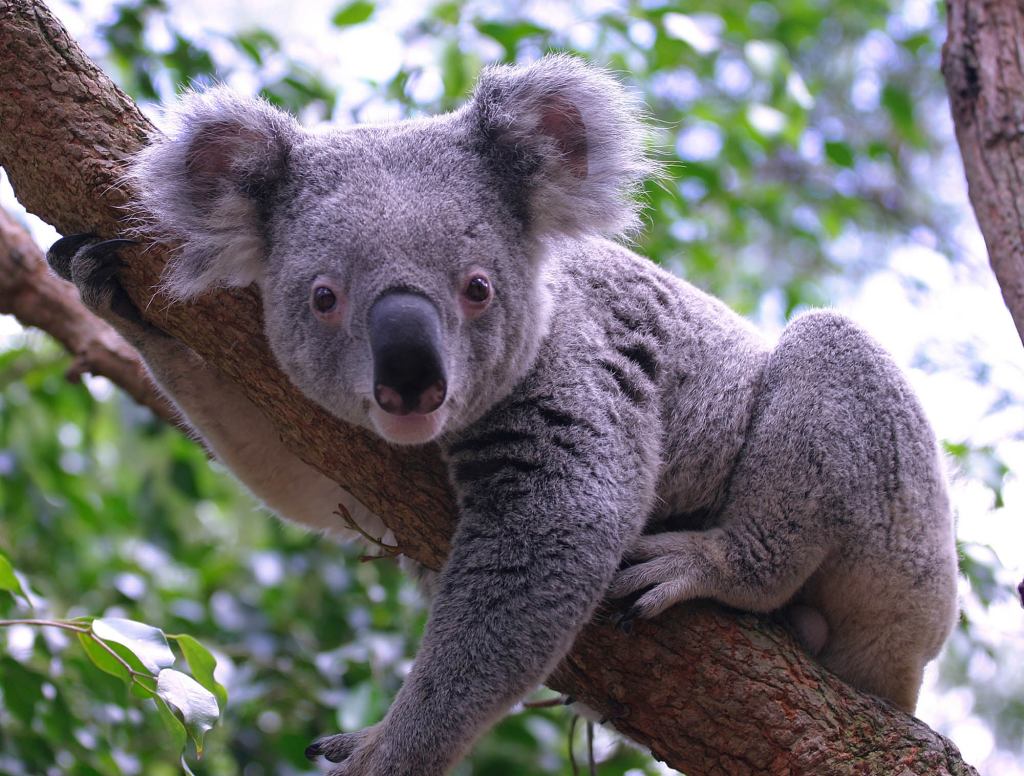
(609, 429)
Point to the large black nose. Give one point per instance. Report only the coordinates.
(405, 340)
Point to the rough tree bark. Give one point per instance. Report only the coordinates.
(983, 63)
(37, 297)
(710, 692)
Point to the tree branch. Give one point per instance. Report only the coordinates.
(37, 297)
(708, 691)
(983, 63)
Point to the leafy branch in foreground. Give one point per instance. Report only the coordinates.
(141, 656)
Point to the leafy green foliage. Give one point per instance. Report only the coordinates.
(8, 580)
(139, 655)
(354, 13)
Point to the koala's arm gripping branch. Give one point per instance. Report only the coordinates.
(709, 692)
(36, 297)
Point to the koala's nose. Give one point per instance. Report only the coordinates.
(405, 340)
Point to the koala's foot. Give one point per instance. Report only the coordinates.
(92, 265)
(808, 625)
(669, 564)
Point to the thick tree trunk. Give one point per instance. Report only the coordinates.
(709, 692)
(983, 62)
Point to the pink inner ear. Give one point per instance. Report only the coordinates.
(562, 122)
(214, 151)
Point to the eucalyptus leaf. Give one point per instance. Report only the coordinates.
(8, 579)
(354, 13)
(202, 664)
(192, 703)
(142, 683)
(148, 643)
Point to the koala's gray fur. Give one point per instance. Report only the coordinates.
(595, 397)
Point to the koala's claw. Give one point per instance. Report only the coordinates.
(92, 265)
(624, 621)
(63, 251)
(336, 748)
(616, 711)
(107, 249)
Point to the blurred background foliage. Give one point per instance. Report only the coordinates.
(808, 154)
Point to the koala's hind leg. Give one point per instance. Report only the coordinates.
(837, 501)
(884, 661)
(215, 408)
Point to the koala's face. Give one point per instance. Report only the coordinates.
(401, 266)
(400, 292)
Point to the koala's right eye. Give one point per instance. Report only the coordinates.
(326, 300)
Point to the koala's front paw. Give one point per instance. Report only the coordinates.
(358, 754)
(92, 264)
(666, 563)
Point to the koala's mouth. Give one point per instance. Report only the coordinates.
(412, 429)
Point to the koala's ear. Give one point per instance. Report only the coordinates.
(208, 183)
(568, 140)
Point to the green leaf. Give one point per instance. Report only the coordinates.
(173, 724)
(22, 689)
(102, 659)
(900, 105)
(839, 153)
(8, 579)
(146, 642)
(510, 35)
(192, 703)
(255, 42)
(202, 664)
(354, 13)
(458, 71)
(143, 686)
(448, 12)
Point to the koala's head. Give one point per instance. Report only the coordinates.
(400, 265)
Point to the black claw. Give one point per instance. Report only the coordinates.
(61, 252)
(616, 711)
(106, 251)
(624, 622)
(568, 700)
(314, 750)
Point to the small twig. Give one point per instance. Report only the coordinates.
(590, 748)
(46, 623)
(547, 703)
(134, 675)
(389, 550)
(371, 558)
(572, 754)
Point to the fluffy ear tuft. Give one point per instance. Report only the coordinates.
(569, 140)
(208, 183)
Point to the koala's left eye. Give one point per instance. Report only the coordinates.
(324, 299)
(478, 289)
